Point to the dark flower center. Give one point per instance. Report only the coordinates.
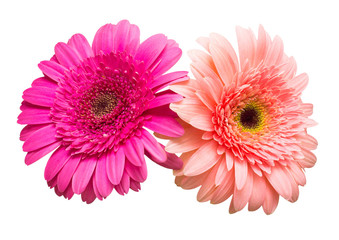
(249, 118)
(103, 104)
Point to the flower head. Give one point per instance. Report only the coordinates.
(92, 106)
(245, 123)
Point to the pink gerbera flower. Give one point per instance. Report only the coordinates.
(92, 106)
(245, 124)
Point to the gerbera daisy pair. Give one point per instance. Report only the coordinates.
(240, 124)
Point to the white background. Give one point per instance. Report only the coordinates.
(30, 210)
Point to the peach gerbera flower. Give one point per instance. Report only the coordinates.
(245, 123)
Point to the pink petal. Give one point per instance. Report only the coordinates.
(271, 200)
(208, 187)
(225, 190)
(203, 159)
(66, 55)
(213, 88)
(127, 37)
(135, 186)
(138, 174)
(299, 83)
(163, 98)
(84, 173)
(263, 45)
(34, 156)
(104, 39)
(309, 159)
(56, 162)
(41, 138)
(40, 96)
(105, 187)
(115, 164)
(229, 156)
(95, 187)
(163, 110)
(203, 121)
(153, 148)
(134, 42)
(204, 41)
(201, 71)
(32, 114)
(150, 49)
(169, 78)
(169, 56)
(125, 182)
(186, 88)
(134, 151)
(165, 125)
(241, 197)
(275, 53)
(224, 63)
(307, 141)
(246, 45)
(194, 112)
(66, 173)
(192, 139)
(227, 48)
(81, 46)
(280, 181)
(52, 69)
(307, 108)
(221, 173)
(45, 82)
(28, 130)
(172, 160)
(207, 99)
(297, 173)
(241, 171)
(258, 193)
(88, 195)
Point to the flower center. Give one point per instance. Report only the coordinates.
(251, 117)
(104, 104)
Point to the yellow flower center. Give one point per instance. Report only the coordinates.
(103, 104)
(251, 118)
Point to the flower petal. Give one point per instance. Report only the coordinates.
(52, 69)
(163, 98)
(150, 49)
(202, 160)
(169, 78)
(115, 164)
(41, 138)
(56, 162)
(241, 170)
(153, 147)
(246, 45)
(242, 196)
(134, 151)
(271, 200)
(83, 174)
(41, 96)
(258, 193)
(172, 160)
(66, 55)
(105, 187)
(192, 139)
(104, 39)
(33, 156)
(165, 125)
(168, 57)
(280, 181)
(66, 173)
(81, 46)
